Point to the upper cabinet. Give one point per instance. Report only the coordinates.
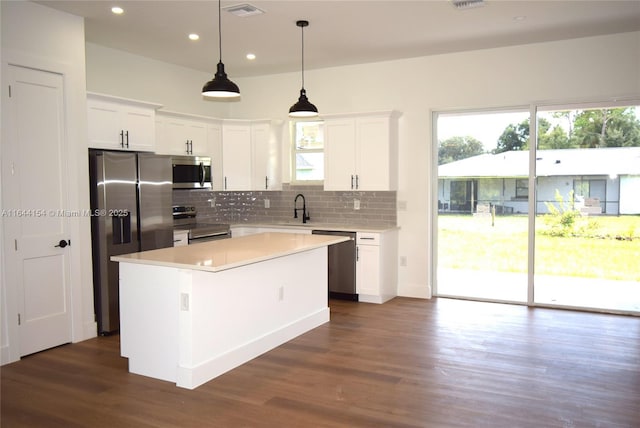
(236, 155)
(265, 148)
(182, 134)
(250, 156)
(361, 151)
(214, 141)
(120, 123)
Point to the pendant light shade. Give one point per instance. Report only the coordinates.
(303, 108)
(220, 86)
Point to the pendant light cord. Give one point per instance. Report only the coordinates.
(302, 29)
(219, 31)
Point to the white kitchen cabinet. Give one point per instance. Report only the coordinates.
(361, 151)
(180, 238)
(236, 155)
(120, 124)
(265, 148)
(214, 141)
(182, 134)
(376, 266)
(250, 156)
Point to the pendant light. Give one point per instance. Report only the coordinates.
(220, 86)
(303, 108)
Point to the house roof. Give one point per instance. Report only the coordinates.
(605, 161)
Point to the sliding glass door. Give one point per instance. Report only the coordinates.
(482, 206)
(556, 223)
(587, 246)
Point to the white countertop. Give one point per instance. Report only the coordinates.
(215, 256)
(318, 226)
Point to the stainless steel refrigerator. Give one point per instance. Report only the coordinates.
(131, 211)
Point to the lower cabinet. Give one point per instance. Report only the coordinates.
(180, 238)
(376, 260)
(376, 266)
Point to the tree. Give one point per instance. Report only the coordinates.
(516, 137)
(555, 139)
(617, 127)
(456, 148)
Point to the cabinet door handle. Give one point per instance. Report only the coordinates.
(122, 138)
(266, 183)
(225, 182)
(190, 147)
(357, 181)
(187, 146)
(366, 238)
(127, 134)
(351, 181)
(357, 254)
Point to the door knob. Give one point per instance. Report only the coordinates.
(63, 243)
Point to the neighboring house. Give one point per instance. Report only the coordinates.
(604, 181)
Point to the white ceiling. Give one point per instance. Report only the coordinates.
(340, 32)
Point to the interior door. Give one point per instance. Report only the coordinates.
(36, 196)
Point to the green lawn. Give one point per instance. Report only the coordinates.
(466, 242)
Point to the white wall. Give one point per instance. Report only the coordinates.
(40, 37)
(125, 75)
(588, 69)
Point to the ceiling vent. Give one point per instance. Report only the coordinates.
(244, 10)
(467, 4)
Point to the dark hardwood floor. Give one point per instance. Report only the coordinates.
(407, 363)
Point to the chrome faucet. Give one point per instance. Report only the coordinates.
(305, 214)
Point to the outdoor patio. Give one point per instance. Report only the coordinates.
(565, 291)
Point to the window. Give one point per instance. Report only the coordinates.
(308, 152)
(522, 188)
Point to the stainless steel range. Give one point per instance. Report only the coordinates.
(184, 218)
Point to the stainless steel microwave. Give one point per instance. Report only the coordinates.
(191, 172)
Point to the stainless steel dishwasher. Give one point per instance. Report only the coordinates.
(342, 266)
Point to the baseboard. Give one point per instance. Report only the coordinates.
(5, 356)
(192, 377)
(420, 291)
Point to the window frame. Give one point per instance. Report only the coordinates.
(295, 151)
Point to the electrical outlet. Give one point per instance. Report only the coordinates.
(402, 205)
(356, 204)
(267, 203)
(184, 301)
(212, 202)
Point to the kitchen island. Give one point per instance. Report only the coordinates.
(189, 314)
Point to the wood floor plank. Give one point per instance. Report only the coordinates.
(406, 363)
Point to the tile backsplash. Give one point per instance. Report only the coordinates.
(327, 207)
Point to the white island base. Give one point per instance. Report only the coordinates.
(189, 325)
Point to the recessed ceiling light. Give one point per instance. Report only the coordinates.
(194, 36)
(251, 56)
(519, 18)
(117, 10)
